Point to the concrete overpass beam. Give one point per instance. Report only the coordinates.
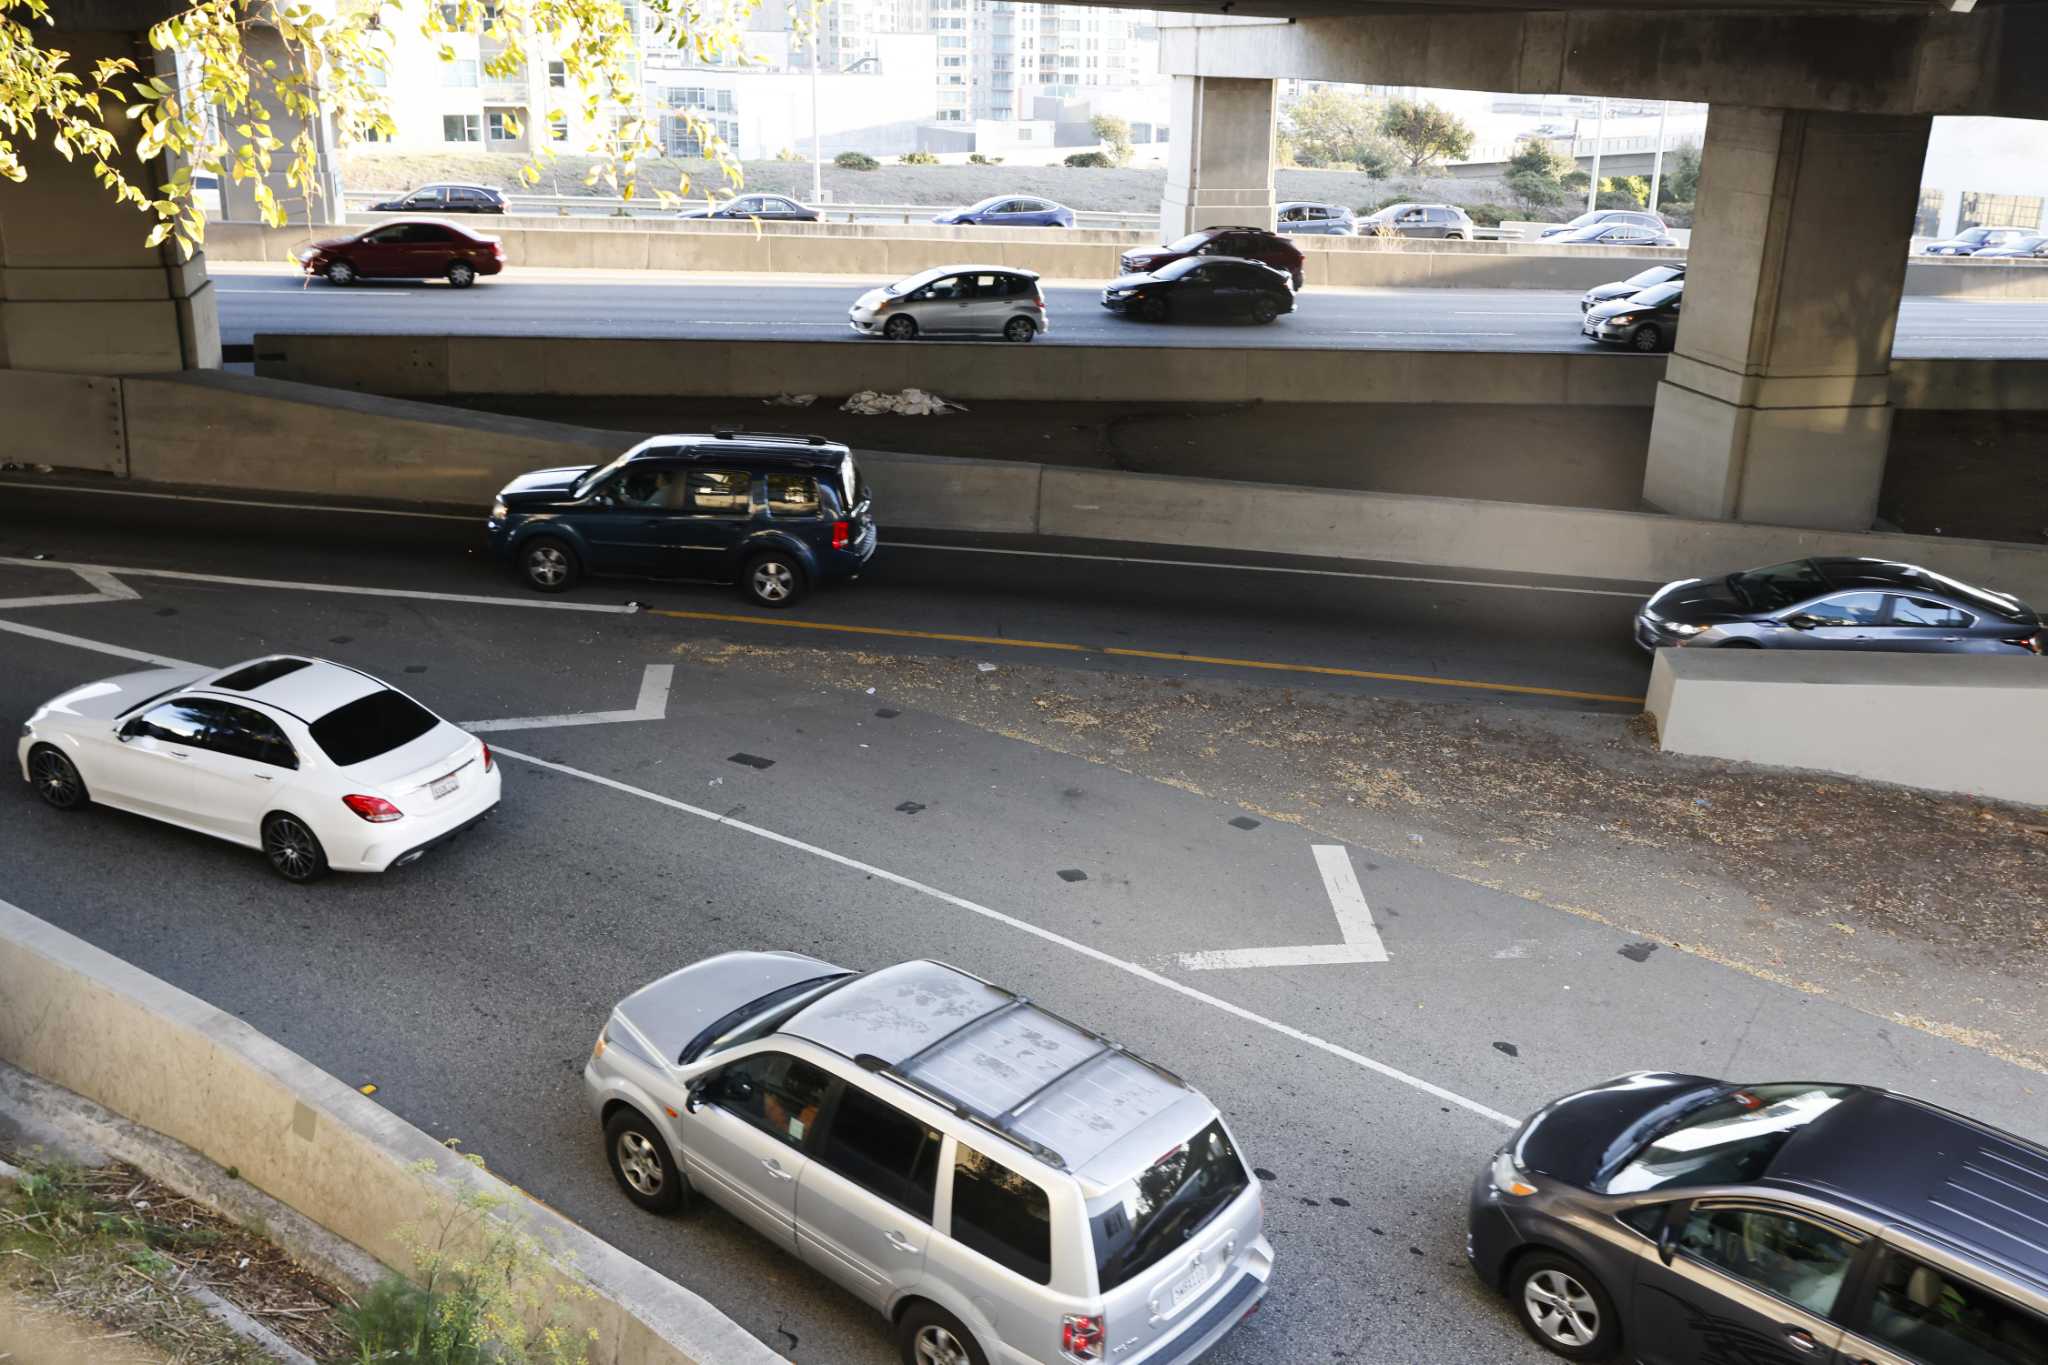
(1219, 167)
(1776, 406)
(78, 290)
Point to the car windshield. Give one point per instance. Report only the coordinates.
(1589, 233)
(758, 1017)
(1780, 585)
(372, 725)
(1178, 268)
(597, 474)
(1730, 1140)
(1657, 295)
(1974, 235)
(1656, 274)
(1584, 219)
(2026, 244)
(1189, 242)
(1154, 1215)
(985, 205)
(919, 280)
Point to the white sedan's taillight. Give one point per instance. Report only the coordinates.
(375, 809)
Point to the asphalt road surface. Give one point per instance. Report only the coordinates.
(468, 988)
(602, 303)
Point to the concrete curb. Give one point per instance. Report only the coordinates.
(109, 1031)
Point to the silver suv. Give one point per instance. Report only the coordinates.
(983, 1172)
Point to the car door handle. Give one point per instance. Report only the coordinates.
(774, 1168)
(900, 1242)
(177, 753)
(1801, 1338)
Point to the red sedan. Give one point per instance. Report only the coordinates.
(1244, 243)
(416, 249)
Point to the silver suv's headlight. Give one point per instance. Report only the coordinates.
(1508, 1178)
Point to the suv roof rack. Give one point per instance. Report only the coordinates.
(766, 438)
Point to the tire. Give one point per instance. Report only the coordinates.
(56, 778)
(292, 850)
(902, 327)
(1647, 338)
(641, 1163)
(461, 275)
(1563, 1308)
(1019, 329)
(341, 273)
(927, 1334)
(1458, 236)
(774, 579)
(1264, 311)
(549, 565)
(1154, 309)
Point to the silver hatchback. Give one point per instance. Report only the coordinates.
(954, 301)
(981, 1171)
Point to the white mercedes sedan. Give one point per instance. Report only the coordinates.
(316, 764)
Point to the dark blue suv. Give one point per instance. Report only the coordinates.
(775, 514)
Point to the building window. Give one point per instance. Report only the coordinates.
(461, 72)
(499, 124)
(1927, 218)
(379, 77)
(372, 133)
(461, 128)
(558, 75)
(1999, 210)
(558, 128)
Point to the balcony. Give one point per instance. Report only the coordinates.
(512, 91)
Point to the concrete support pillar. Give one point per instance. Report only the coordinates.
(1776, 406)
(78, 290)
(1219, 165)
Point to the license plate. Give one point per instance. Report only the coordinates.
(441, 786)
(1190, 1284)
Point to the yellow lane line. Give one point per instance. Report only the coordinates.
(1006, 642)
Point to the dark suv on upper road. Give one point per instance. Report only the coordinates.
(1676, 1220)
(1252, 244)
(775, 514)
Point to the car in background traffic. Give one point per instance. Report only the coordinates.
(417, 249)
(1004, 1186)
(1244, 243)
(1010, 210)
(1419, 220)
(319, 766)
(445, 199)
(769, 208)
(1612, 234)
(1970, 241)
(954, 301)
(1839, 603)
(2034, 244)
(1632, 217)
(1670, 1219)
(1646, 321)
(1203, 289)
(778, 515)
(1634, 284)
(1301, 217)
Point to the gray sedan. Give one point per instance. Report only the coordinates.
(1866, 604)
(954, 300)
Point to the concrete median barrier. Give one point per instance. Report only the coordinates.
(1948, 720)
(109, 1031)
(73, 420)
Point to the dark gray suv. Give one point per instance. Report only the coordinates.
(1676, 1220)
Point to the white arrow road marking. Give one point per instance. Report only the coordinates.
(1354, 921)
(98, 646)
(652, 705)
(415, 594)
(106, 588)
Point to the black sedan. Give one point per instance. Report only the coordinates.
(1867, 604)
(446, 199)
(769, 208)
(1203, 288)
(1643, 322)
(1633, 285)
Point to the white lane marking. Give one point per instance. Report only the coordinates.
(652, 705)
(1418, 334)
(373, 294)
(100, 647)
(1024, 926)
(736, 322)
(1265, 568)
(109, 586)
(238, 502)
(1506, 313)
(341, 588)
(106, 588)
(1354, 922)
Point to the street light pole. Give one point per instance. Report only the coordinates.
(1599, 137)
(1657, 165)
(817, 143)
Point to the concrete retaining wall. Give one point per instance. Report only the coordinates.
(73, 420)
(235, 431)
(109, 1031)
(890, 252)
(1947, 722)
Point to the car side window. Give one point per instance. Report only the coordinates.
(951, 288)
(1790, 1257)
(1933, 1317)
(1922, 611)
(645, 487)
(243, 733)
(792, 495)
(1001, 1215)
(1847, 609)
(423, 199)
(1294, 214)
(777, 1093)
(1648, 1219)
(387, 235)
(719, 492)
(176, 722)
(427, 233)
(884, 1151)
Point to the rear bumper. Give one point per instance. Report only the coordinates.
(850, 561)
(408, 840)
(1232, 1307)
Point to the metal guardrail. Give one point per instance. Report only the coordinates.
(592, 206)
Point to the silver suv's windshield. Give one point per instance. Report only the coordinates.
(1730, 1140)
(759, 1018)
(1156, 1213)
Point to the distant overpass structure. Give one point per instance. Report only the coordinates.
(1775, 405)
